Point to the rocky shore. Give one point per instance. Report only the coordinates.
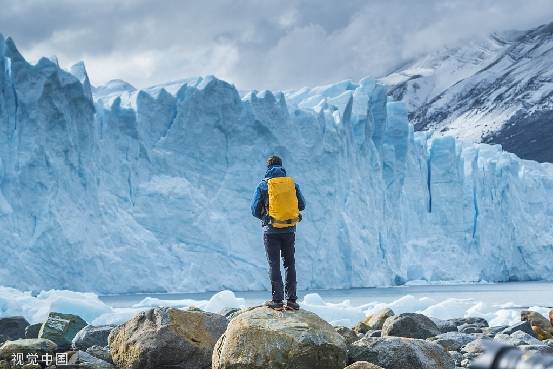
(261, 338)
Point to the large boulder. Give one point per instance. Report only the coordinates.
(164, 338)
(13, 327)
(61, 328)
(82, 358)
(410, 325)
(262, 338)
(540, 325)
(401, 353)
(452, 341)
(92, 336)
(101, 353)
(349, 334)
(444, 325)
(27, 346)
(373, 321)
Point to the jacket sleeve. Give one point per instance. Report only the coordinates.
(258, 202)
(301, 199)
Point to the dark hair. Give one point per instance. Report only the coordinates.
(273, 160)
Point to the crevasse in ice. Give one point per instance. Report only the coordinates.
(150, 190)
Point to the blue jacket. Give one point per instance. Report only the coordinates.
(260, 198)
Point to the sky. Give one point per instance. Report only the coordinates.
(255, 44)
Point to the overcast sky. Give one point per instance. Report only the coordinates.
(253, 43)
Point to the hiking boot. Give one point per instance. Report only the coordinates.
(274, 304)
(292, 305)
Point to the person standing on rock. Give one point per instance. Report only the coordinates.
(277, 201)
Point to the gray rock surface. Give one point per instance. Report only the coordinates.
(26, 346)
(32, 330)
(81, 357)
(477, 346)
(166, 338)
(13, 327)
(61, 328)
(522, 326)
(347, 333)
(92, 336)
(410, 325)
(452, 341)
(481, 322)
(470, 328)
(401, 353)
(363, 365)
(444, 325)
(262, 338)
(374, 321)
(101, 353)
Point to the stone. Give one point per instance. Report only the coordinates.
(166, 338)
(551, 317)
(522, 326)
(3, 339)
(373, 321)
(81, 357)
(548, 342)
(526, 338)
(477, 346)
(61, 328)
(377, 333)
(13, 327)
(4, 364)
(32, 330)
(456, 356)
(470, 328)
(347, 333)
(363, 365)
(27, 346)
(262, 338)
(101, 353)
(92, 336)
(452, 341)
(481, 322)
(410, 325)
(444, 325)
(492, 331)
(544, 349)
(540, 325)
(229, 312)
(401, 353)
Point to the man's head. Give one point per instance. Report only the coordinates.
(273, 160)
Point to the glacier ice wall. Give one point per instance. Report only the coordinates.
(149, 190)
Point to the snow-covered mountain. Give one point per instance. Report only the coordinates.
(498, 90)
(150, 190)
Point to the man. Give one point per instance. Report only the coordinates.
(277, 201)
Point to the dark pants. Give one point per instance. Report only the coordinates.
(277, 245)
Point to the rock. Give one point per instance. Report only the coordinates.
(492, 331)
(470, 328)
(444, 325)
(551, 317)
(229, 312)
(4, 364)
(31, 366)
(522, 326)
(13, 327)
(377, 333)
(92, 336)
(61, 328)
(526, 338)
(548, 342)
(457, 357)
(373, 321)
(166, 338)
(544, 349)
(540, 324)
(401, 353)
(3, 339)
(81, 357)
(410, 325)
(452, 341)
(481, 322)
(27, 346)
(347, 333)
(101, 353)
(262, 338)
(477, 346)
(363, 365)
(31, 331)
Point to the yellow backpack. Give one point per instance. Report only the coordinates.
(282, 202)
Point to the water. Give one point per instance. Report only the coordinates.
(522, 294)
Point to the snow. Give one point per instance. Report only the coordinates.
(150, 192)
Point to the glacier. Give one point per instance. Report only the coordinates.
(117, 190)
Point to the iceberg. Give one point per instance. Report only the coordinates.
(118, 190)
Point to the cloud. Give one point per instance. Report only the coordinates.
(254, 44)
